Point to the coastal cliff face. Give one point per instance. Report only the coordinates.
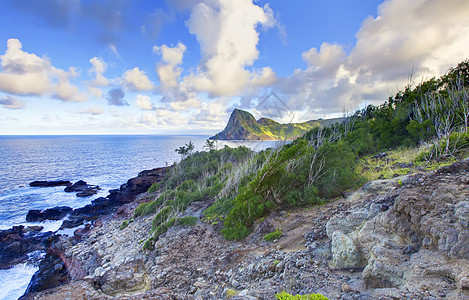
(401, 238)
(243, 126)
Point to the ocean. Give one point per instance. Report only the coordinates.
(107, 161)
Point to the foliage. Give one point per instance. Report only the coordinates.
(418, 127)
(186, 150)
(154, 187)
(286, 296)
(197, 177)
(275, 235)
(124, 225)
(209, 145)
(188, 221)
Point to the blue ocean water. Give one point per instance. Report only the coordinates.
(107, 161)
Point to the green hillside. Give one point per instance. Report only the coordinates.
(243, 126)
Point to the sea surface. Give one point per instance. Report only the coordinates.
(107, 161)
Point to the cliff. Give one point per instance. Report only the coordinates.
(243, 126)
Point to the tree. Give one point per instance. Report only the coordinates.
(182, 151)
(209, 145)
(190, 147)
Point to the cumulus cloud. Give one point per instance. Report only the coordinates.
(137, 80)
(144, 102)
(168, 71)
(26, 73)
(97, 70)
(227, 33)
(93, 110)
(12, 103)
(425, 35)
(116, 97)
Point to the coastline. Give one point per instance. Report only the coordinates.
(313, 255)
(20, 243)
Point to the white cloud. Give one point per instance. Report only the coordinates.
(143, 102)
(93, 110)
(163, 118)
(25, 73)
(427, 35)
(12, 103)
(98, 68)
(137, 80)
(185, 105)
(227, 33)
(168, 71)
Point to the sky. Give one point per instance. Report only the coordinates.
(182, 66)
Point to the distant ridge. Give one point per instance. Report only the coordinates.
(243, 126)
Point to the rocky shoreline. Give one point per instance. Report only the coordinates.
(402, 238)
(21, 244)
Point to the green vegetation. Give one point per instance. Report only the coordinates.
(199, 176)
(286, 296)
(275, 235)
(124, 225)
(422, 127)
(188, 221)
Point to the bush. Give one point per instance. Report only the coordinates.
(188, 221)
(286, 296)
(154, 187)
(270, 237)
(124, 225)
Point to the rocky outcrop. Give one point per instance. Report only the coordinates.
(128, 277)
(57, 268)
(82, 189)
(52, 272)
(413, 242)
(50, 183)
(18, 242)
(55, 213)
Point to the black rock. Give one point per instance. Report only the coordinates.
(76, 187)
(87, 193)
(50, 183)
(84, 189)
(16, 243)
(55, 213)
(72, 223)
(52, 273)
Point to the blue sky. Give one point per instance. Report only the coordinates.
(181, 66)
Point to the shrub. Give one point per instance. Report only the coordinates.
(270, 237)
(154, 187)
(124, 225)
(188, 221)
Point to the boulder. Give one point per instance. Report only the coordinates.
(83, 189)
(52, 273)
(76, 187)
(55, 213)
(50, 183)
(345, 253)
(16, 243)
(125, 278)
